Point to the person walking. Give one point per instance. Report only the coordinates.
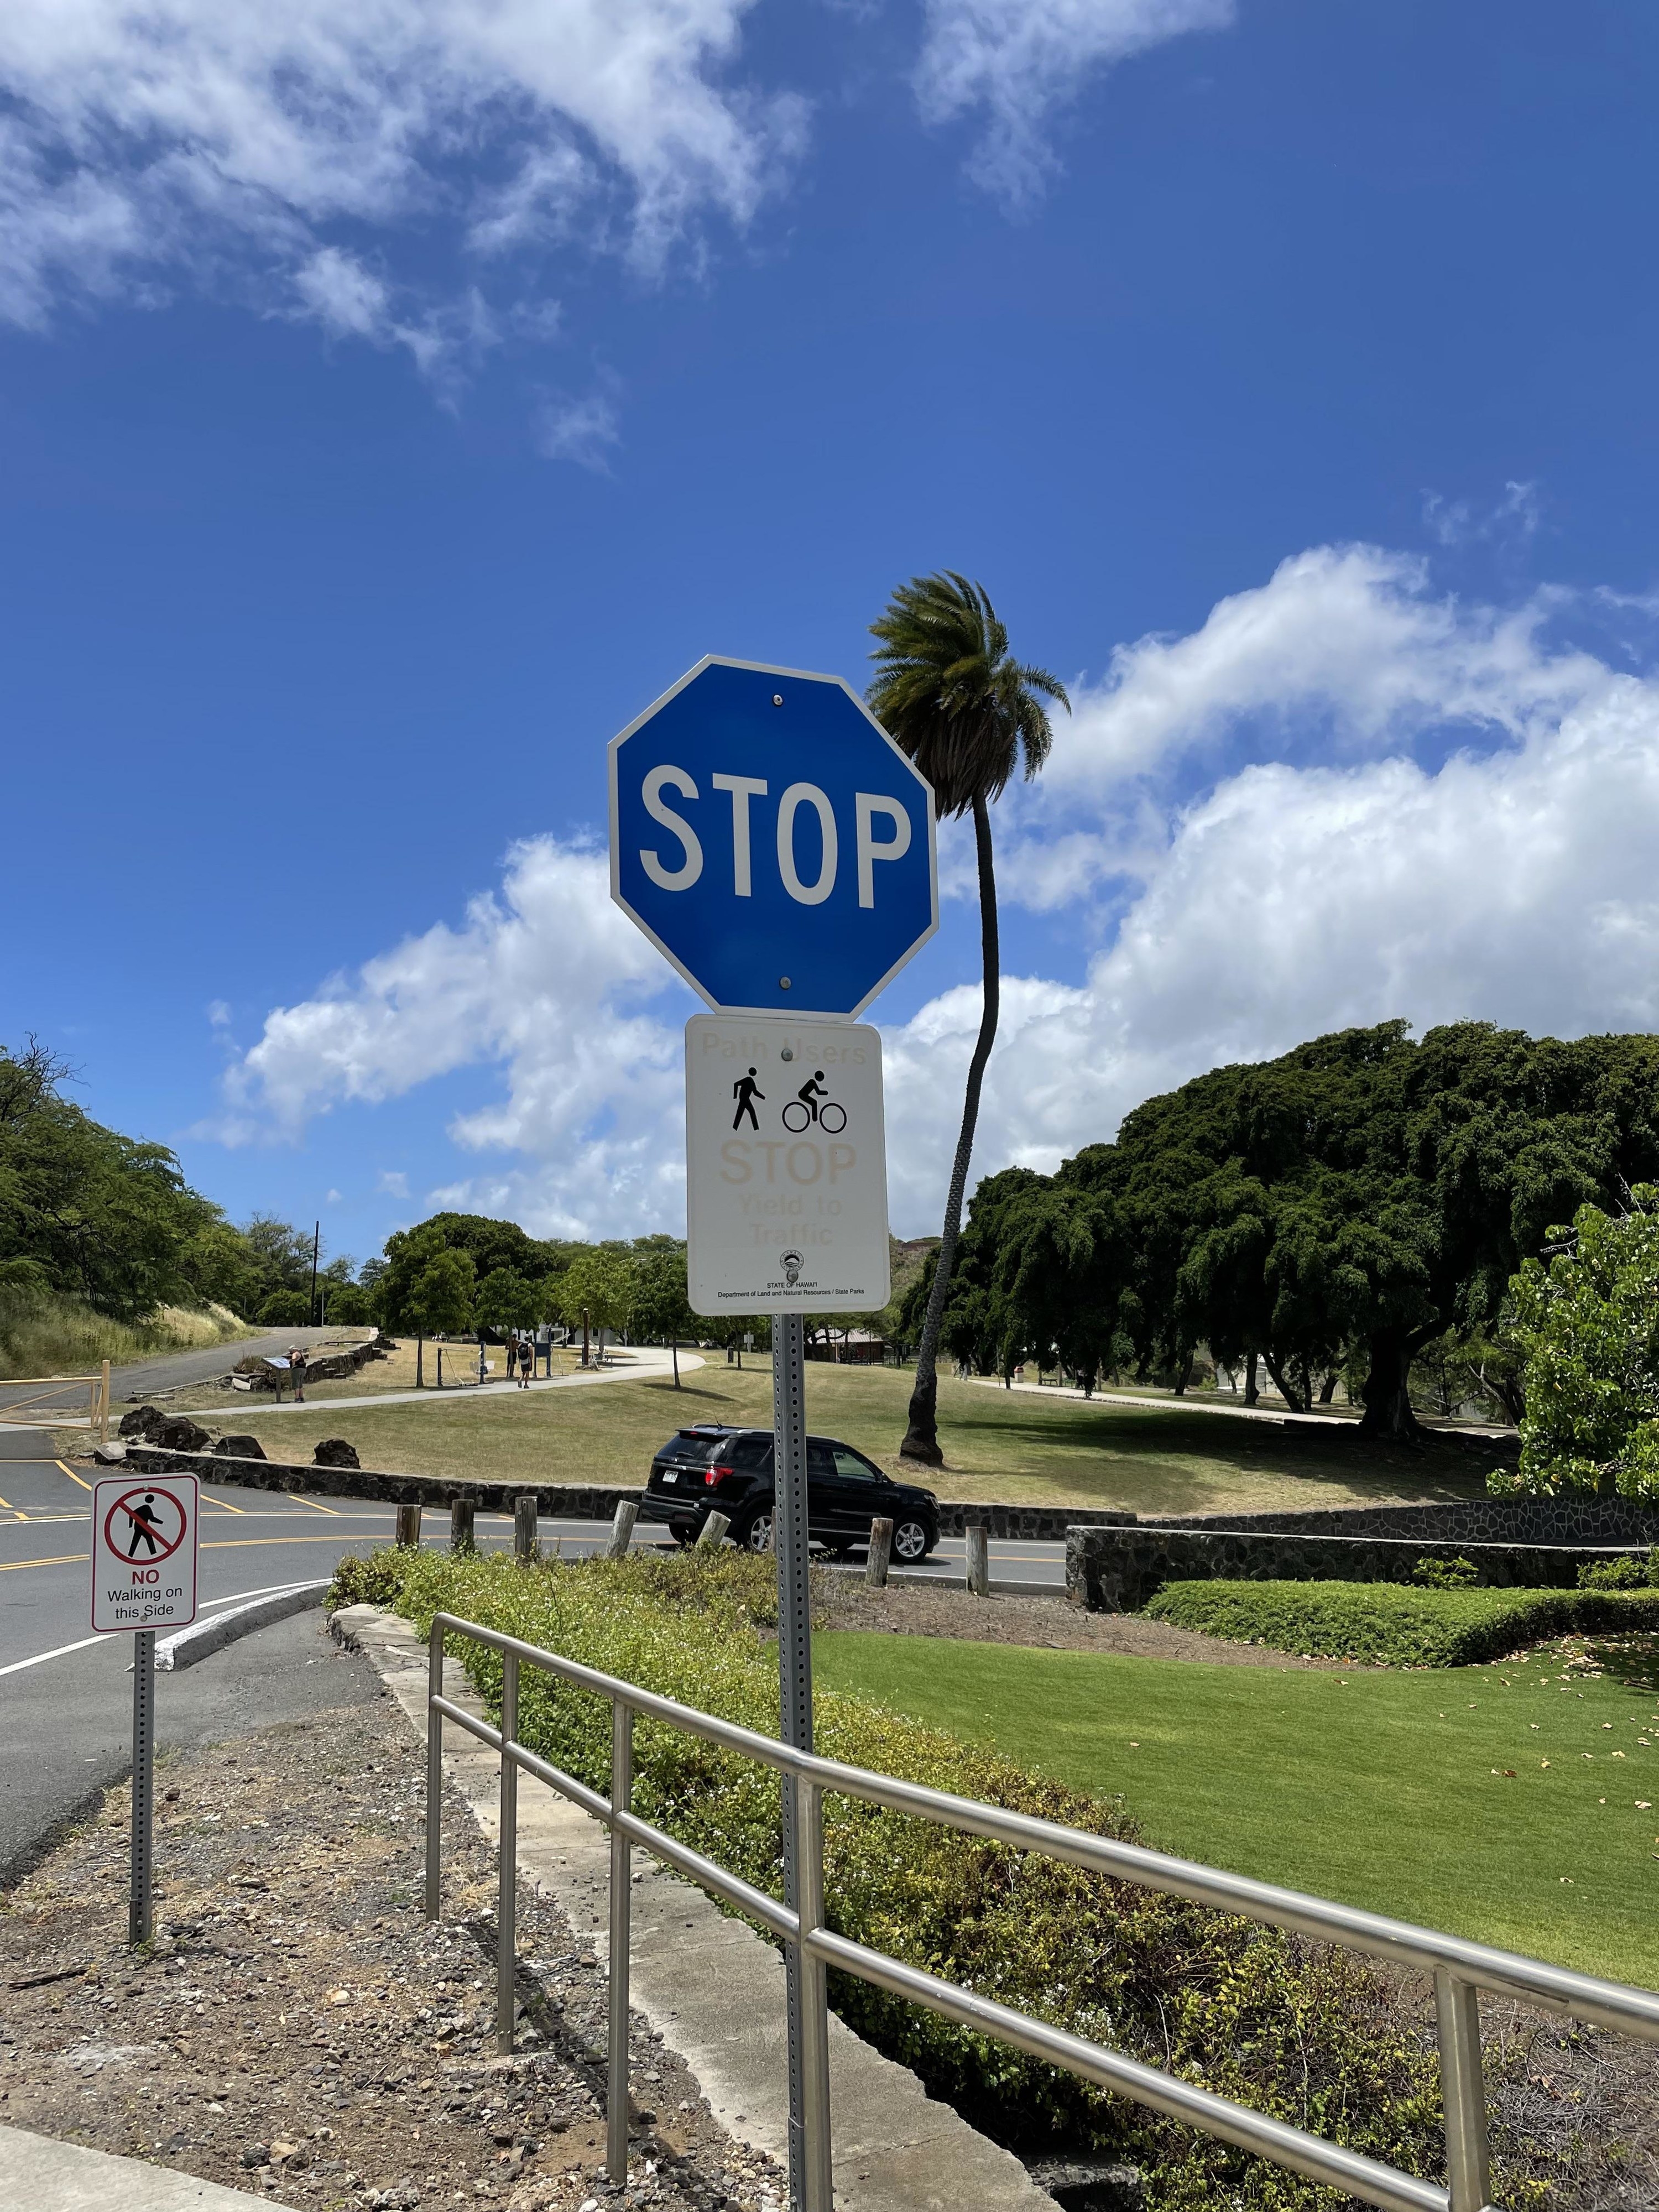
(296, 1366)
(526, 1360)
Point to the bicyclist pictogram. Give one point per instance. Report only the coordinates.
(812, 1105)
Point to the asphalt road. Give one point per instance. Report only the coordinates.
(65, 1695)
(168, 1371)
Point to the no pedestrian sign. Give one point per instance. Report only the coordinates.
(143, 1552)
(786, 1166)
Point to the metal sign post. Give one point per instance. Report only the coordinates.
(789, 1532)
(776, 846)
(143, 1577)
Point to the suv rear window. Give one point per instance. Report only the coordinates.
(752, 1455)
(690, 1448)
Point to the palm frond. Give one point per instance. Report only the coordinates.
(946, 689)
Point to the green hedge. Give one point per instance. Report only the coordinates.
(1306, 2032)
(1385, 1622)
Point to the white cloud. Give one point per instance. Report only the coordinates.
(212, 140)
(1512, 882)
(583, 430)
(1346, 649)
(1017, 61)
(548, 979)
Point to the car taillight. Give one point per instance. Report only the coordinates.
(712, 1474)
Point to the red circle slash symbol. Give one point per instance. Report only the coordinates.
(142, 1515)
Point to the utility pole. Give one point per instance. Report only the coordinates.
(316, 1250)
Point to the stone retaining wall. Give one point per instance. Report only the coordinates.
(1576, 1518)
(1117, 1570)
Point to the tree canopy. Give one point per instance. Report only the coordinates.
(1365, 1191)
(1586, 1316)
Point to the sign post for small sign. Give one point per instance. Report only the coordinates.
(143, 1577)
(775, 844)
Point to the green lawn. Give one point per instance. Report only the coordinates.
(1374, 1789)
(999, 1444)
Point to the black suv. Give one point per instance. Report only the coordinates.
(710, 1469)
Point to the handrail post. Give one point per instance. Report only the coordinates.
(621, 1916)
(817, 2189)
(435, 1774)
(506, 1898)
(1463, 2093)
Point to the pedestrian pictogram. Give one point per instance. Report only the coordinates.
(143, 1553)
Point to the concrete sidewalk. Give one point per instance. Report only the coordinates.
(48, 2176)
(632, 1366)
(711, 1987)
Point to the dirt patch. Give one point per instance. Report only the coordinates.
(1046, 1624)
(300, 2031)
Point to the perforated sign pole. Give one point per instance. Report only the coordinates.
(808, 2054)
(143, 1576)
(141, 1911)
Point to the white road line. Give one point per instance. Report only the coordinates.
(85, 1643)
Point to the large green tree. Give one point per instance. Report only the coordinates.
(84, 1209)
(1364, 1190)
(970, 716)
(1586, 1320)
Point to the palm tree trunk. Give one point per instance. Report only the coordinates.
(921, 1437)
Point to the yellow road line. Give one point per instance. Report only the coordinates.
(72, 1475)
(9, 1507)
(69, 1559)
(225, 1505)
(242, 1543)
(312, 1502)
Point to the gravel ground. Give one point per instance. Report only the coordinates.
(300, 2031)
(846, 1600)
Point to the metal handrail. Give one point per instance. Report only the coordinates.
(1459, 1968)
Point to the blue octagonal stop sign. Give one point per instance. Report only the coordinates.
(770, 838)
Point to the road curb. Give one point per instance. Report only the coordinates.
(205, 1637)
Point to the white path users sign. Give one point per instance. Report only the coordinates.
(786, 1166)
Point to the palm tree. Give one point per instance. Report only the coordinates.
(968, 715)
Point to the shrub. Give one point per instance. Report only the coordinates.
(1391, 1624)
(1625, 1574)
(285, 1309)
(1446, 1574)
(1303, 2031)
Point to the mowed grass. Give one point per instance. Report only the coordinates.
(999, 1444)
(1377, 1790)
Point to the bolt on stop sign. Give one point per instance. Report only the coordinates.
(143, 1552)
(772, 841)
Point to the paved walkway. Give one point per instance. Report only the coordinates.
(1215, 1402)
(59, 2177)
(635, 1365)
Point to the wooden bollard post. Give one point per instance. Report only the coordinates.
(979, 1559)
(622, 1530)
(715, 1528)
(525, 1545)
(408, 1527)
(881, 1552)
(461, 1537)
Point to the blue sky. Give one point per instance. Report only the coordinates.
(393, 401)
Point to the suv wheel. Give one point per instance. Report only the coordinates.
(911, 1541)
(755, 1534)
